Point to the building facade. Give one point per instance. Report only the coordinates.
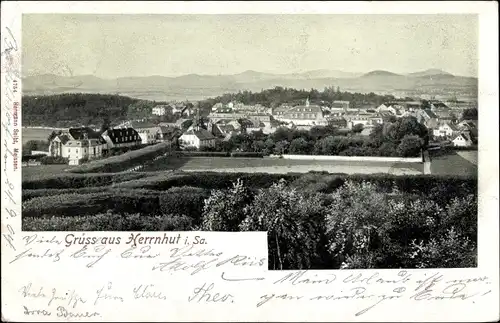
(462, 140)
(197, 137)
(77, 144)
(303, 115)
(159, 110)
(121, 137)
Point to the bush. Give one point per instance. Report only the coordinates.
(28, 194)
(439, 188)
(184, 200)
(223, 210)
(449, 251)
(294, 225)
(372, 229)
(87, 204)
(72, 181)
(410, 146)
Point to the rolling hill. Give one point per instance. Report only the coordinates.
(194, 86)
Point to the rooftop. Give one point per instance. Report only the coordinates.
(201, 133)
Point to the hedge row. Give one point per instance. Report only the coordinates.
(446, 186)
(187, 153)
(28, 194)
(432, 186)
(109, 222)
(70, 180)
(208, 180)
(179, 200)
(124, 161)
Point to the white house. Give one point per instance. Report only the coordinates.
(306, 115)
(388, 108)
(159, 110)
(445, 130)
(77, 144)
(462, 140)
(148, 138)
(198, 138)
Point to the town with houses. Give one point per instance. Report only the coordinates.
(227, 120)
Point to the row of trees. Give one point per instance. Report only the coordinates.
(404, 137)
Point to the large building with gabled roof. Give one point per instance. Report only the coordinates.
(77, 144)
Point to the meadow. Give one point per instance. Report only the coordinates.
(281, 166)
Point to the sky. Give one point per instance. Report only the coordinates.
(110, 46)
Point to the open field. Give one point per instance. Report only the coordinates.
(455, 163)
(470, 156)
(268, 165)
(35, 134)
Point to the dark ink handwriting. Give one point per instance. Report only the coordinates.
(201, 294)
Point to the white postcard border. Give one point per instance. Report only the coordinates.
(118, 276)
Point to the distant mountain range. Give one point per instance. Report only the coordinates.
(194, 86)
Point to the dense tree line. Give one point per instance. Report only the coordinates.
(405, 137)
(279, 95)
(77, 109)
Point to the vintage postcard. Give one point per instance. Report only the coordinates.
(250, 161)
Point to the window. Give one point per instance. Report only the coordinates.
(77, 150)
(69, 150)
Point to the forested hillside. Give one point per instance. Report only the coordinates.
(75, 109)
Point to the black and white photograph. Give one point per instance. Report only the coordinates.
(351, 139)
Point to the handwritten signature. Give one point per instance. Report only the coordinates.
(10, 42)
